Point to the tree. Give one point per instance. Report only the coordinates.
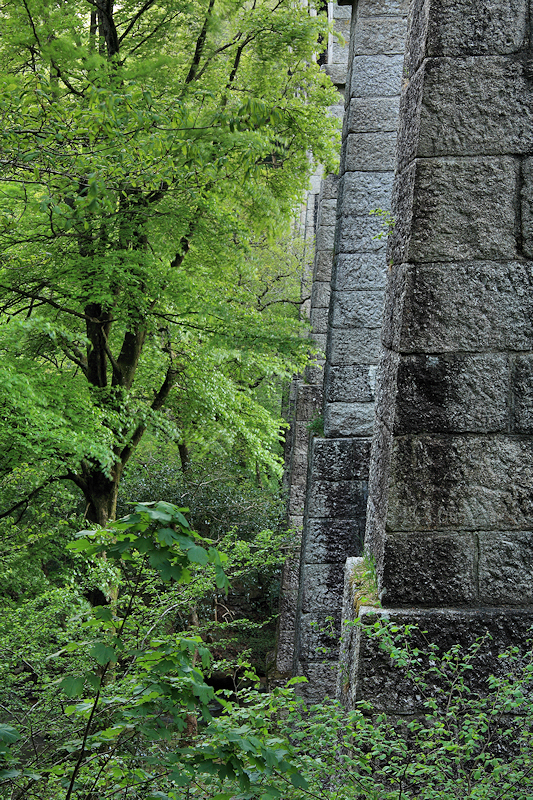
(147, 150)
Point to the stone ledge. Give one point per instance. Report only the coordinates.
(370, 675)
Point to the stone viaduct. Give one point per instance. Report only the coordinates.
(426, 391)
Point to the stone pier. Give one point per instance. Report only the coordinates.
(450, 511)
(336, 496)
(434, 458)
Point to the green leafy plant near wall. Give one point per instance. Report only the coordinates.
(134, 719)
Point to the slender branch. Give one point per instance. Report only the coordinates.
(25, 501)
(115, 365)
(157, 403)
(137, 16)
(31, 23)
(200, 45)
(50, 302)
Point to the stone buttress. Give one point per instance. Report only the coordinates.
(450, 512)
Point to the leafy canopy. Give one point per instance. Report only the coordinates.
(152, 153)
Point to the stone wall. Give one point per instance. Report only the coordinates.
(335, 507)
(305, 402)
(449, 519)
(450, 512)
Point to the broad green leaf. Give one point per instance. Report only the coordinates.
(8, 733)
(299, 781)
(103, 653)
(198, 555)
(73, 686)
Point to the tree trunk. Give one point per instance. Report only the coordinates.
(101, 495)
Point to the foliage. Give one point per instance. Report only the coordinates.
(470, 738)
(222, 493)
(152, 155)
(136, 687)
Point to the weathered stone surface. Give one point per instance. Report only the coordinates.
(467, 107)
(462, 482)
(429, 570)
(315, 374)
(309, 403)
(337, 73)
(370, 151)
(329, 187)
(357, 234)
(322, 588)
(527, 207)
(522, 385)
(362, 192)
(382, 8)
(285, 649)
(323, 265)
(339, 50)
(386, 387)
(455, 209)
(291, 572)
(376, 76)
(342, 11)
(330, 541)
(452, 393)
(380, 682)
(325, 237)
(377, 35)
(320, 339)
(327, 212)
(356, 346)
(362, 309)
(337, 499)
(296, 500)
(463, 28)
(349, 419)
(319, 320)
(378, 491)
(321, 680)
(506, 568)
(366, 115)
(354, 271)
(349, 384)
(476, 306)
(320, 294)
(340, 459)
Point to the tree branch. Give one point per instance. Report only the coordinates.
(200, 45)
(48, 301)
(25, 501)
(157, 403)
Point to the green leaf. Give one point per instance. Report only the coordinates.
(198, 555)
(73, 686)
(6, 774)
(8, 733)
(299, 781)
(104, 613)
(270, 792)
(103, 653)
(167, 536)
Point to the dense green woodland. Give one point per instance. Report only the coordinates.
(152, 158)
(153, 153)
